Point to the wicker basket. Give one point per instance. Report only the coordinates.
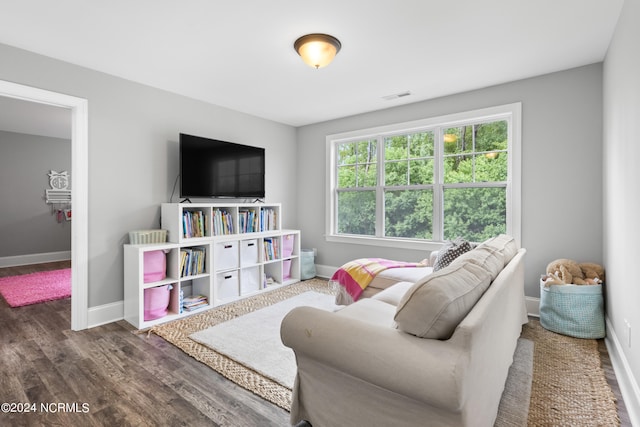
(140, 237)
(573, 310)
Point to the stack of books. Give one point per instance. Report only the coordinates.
(194, 302)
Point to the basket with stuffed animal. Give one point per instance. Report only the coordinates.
(571, 301)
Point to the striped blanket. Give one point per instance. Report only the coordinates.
(356, 275)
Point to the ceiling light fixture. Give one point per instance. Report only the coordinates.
(317, 50)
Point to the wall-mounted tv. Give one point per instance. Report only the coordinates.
(214, 168)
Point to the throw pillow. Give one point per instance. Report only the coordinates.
(450, 252)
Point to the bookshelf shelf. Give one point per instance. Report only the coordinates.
(228, 266)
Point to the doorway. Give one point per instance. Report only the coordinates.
(79, 188)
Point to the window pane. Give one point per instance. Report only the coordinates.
(491, 166)
(395, 147)
(458, 140)
(395, 173)
(346, 176)
(421, 145)
(421, 172)
(347, 154)
(366, 151)
(458, 169)
(491, 136)
(409, 159)
(357, 164)
(367, 175)
(474, 213)
(357, 212)
(409, 214)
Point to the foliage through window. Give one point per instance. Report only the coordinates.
(435, 179)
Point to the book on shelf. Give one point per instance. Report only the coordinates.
(271, 249)
(194, 302)
(192, 261)
(268, 219)
(193, 224)
(222, 222)
(248, 221)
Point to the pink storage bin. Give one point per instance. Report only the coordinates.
(286, 269)
(156, 302)
(155, 266)
(287, 251)
(287, 245)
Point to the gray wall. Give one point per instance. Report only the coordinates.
(561, 168)
(621, 200)
(27, 224)
(133, 153)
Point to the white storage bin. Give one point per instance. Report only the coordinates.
(227, 285)
(249, 252)
(249, 280)
(226, 256)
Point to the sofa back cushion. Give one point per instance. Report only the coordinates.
(435, 305)
(504, 244)
(483, 256)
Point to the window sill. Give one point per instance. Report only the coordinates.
(386, 242)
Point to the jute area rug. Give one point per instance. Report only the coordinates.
(568, 386)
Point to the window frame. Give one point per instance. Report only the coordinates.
(510, 112)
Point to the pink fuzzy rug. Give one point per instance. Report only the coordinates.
(36, 287)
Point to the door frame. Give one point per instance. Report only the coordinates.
(79, 188)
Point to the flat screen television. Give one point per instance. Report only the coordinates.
(213, 168)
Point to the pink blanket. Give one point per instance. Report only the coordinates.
(356, 275)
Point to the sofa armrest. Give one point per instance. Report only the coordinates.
(426, 370)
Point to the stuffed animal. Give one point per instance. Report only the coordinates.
(551, 279)
(566, 271)
(593, 273)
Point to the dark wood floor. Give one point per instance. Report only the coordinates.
(111, 375)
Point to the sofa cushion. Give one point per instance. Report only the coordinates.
(449, 252)
(434, 306)
(370, 311)
(503, 243)
(484, 256)
(393, 294)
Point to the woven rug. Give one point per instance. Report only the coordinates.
(254, 339)
(34, 288)
(569, 386)
(177, 333)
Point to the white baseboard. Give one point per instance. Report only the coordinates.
(533, 306)
(107, 313)
(325, 271)
(624, 376)
(14, 261)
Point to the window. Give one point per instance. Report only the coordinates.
(421, 182)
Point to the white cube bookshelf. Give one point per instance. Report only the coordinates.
(236, 263)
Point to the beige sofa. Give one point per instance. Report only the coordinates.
(435, 352)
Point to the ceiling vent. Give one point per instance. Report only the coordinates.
(396, 96)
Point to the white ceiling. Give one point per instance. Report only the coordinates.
(239, 54)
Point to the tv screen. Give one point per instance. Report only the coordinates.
(214, 168)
